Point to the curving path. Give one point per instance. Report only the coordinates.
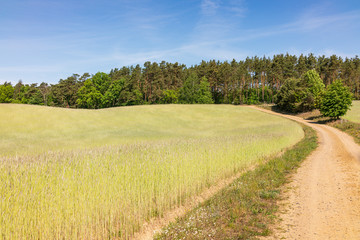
(323, 198)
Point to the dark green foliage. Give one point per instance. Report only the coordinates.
(64, 94)
(195, 90)
(112, 96)
(28, 94)
(44, 90)
(251, 81)
(189, 90)
(18, 92)
(336, 101)
(203, 94)
(299, 95)
(244, 209)
(134, 98)
(289, 96)
(252, 97)
(34, 95)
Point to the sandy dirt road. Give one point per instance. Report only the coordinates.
(322, 200)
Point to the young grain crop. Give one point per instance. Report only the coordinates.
(354, 113)
(247, 207)
(102, 174)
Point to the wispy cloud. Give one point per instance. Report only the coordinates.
(313, 22)
(218, 20)
(237, 7)
(209, 7)
(100, 35)
(301, 25)
(218, 43)
(190, 53)
(214, 41)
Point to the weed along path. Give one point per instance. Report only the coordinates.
(323, 197)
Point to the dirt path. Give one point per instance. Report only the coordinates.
(323, 198)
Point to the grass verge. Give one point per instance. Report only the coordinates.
(351, 128)
(247, 207)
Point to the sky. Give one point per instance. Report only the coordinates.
(49, 40)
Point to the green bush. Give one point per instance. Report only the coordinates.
(336, 101)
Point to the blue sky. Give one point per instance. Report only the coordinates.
(46, 40)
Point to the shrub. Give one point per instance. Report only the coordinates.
(336, 100)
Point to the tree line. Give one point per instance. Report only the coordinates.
(250, 81)
(309, 93)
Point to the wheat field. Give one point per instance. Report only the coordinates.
(354, 113)
(97, 174)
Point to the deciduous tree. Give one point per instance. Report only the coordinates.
(336, 100)
(6, 93)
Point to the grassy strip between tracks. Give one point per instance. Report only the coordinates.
(246, 208)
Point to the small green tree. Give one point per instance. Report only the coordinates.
(188, 90)
(336, 101)
(312, 90)
(204, 94)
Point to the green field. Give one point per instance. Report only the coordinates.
(96, 174)
(354, 113)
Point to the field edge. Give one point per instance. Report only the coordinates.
(247, 207)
